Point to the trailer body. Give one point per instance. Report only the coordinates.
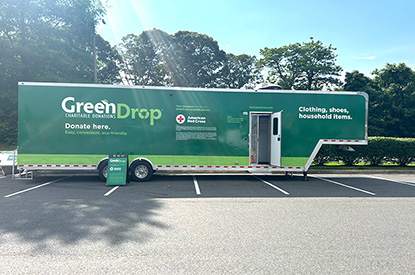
(76, 126)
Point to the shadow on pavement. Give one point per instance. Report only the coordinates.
(70, 212)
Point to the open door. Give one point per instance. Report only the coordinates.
(276, 139)
(265, 138)
(260, 131)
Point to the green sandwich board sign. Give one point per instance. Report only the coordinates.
(117, 170)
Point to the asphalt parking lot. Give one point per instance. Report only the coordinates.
(209, 224)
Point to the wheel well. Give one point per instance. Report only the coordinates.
(101, 161)
(131, 163)
(142, 160)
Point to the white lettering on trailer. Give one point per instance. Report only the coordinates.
(104, 109)
(69, 105)
(312, 109)
(99, 108)
(77, 126)
(72, 108)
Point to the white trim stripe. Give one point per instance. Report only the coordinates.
(59, 166)
(345, 141)
(230, 167)
(176, 167)
(141, 87)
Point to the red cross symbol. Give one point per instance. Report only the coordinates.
(180, 119)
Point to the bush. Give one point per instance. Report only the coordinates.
(379, 150)
(325, 155)
(403, 152)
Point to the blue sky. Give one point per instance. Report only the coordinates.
(367, 33)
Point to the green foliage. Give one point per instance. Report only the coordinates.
(356, 81)
(239, 71)
(201, 61)
(185, 59)
(51, 41)
(48, 41)
(391, 99)
(403, 152)
(306, 66)
(8, 115)
(144, 61)
(379, 150)
(108, 59)
(326, 154)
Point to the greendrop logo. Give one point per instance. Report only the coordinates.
(104, 109)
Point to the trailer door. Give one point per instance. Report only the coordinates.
(276, 139)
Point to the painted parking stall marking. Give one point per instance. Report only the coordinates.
(196, 186)
(112, 190)
(344, 185)
(273, 186)
(395, 181)
(35, 187)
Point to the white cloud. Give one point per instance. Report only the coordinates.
(367, 57)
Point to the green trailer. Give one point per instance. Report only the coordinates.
(76, 127)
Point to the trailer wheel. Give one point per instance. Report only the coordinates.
(103, 170)
(141, 171)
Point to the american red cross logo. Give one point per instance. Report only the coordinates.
(180, 119)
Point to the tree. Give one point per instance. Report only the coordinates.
(309, 66)
(282, 64)
(391, 99)
(51, 40)
(396, 84)
(44, 40)
(185, 59)
(201, 61)
(399, 74)
(356, 81)
(148, 58)
(108, 62)
(239, 70)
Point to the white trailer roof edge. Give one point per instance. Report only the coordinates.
(365, 95)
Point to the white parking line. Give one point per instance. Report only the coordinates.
(396, 181)
(112, 190)
(35, 187)
(273, 186)
(196, 186)
(344, 185)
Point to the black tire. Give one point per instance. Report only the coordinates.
(102, 170)
(141, 171)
